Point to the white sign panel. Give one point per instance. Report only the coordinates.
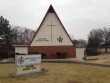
(28, 69)
(28, 59)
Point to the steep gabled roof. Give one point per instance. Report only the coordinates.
(50, 10)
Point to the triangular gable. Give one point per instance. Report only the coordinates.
(43, 40)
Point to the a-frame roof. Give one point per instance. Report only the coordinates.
(50, 10)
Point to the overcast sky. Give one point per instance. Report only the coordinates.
(78, 16)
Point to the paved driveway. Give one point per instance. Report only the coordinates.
(68, 62)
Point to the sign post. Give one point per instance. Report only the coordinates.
(26, 64)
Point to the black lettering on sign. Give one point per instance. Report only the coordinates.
(42, 39)
(29, 67)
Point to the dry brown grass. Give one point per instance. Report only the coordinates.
(100, 59)
(59, 73)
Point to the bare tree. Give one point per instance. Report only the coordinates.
(80, 42)
(22, 36)
(106, 37)
(95, 38)
(28, 35)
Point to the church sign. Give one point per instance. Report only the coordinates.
(28, 59)
(28, 64)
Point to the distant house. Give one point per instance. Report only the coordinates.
(80, 46)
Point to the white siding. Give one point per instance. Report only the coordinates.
(43, 37)
(79, 53)
(21, 50)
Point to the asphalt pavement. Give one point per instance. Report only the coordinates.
(68, 62)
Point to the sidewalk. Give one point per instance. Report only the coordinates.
(68, 61)
(74, 62)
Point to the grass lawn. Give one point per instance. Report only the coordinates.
(103, 58)
(59, 73)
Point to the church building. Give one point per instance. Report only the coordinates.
(51, 39)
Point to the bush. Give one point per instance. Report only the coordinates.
(92, 51)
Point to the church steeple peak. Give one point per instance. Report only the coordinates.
(51, 9)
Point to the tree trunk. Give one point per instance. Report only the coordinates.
(106, 49)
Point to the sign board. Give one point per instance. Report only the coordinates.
(28, 59)
(28, 69)
(28, 64)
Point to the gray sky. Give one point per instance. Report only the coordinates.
(78, 16)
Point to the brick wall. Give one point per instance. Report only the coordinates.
(53, 51)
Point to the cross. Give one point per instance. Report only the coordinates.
(51, 29)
